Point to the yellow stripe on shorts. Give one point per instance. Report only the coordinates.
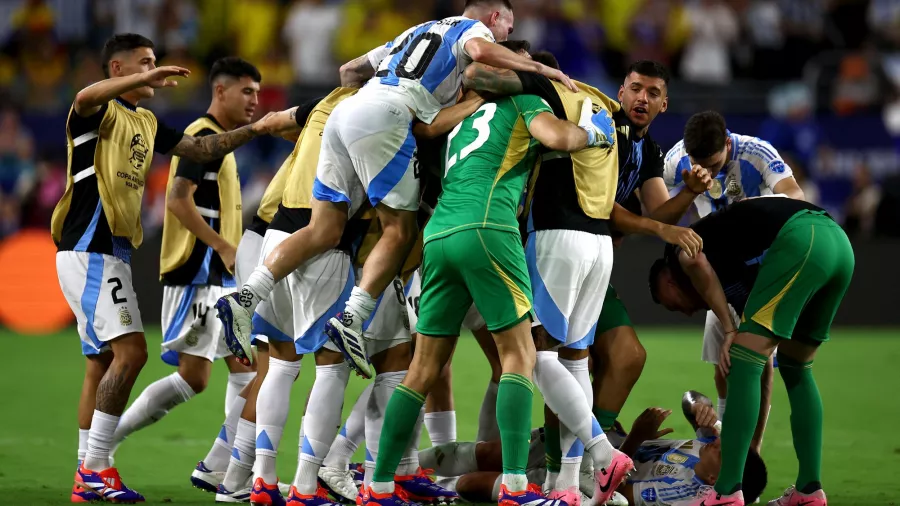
(523, 305)
(766, 315)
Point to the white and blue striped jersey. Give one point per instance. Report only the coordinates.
(425, 64)
(754, 169)
(664, 471)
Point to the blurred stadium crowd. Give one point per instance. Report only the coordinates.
(810, 74)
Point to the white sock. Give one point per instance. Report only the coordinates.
(564, 396)
(382, 388)
(550, 481)
(220, 453)
(487, 417)
(409, 464)
(257, 288)
(515, 482)
(100, 439)
(360, 304)
(572, 447)
(450, 459)
(236, 383)
(323, 416)
(243, 455)
(441, 427)
(272, 407)
(153, 404)
(83, 435)
(720, 408)
(351, 435)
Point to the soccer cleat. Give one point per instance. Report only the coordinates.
(570, 496)
(793, 497)
(617, 500)
(347, 335)
(207, 480)
(398, 498)
(707, 496)
(263, 494)
(320, 498)
(237, 322)
(599, 126)
(359, 473)
(339, 483)
(422, 489)
(107, 485)
(531, 496)
(83, 495)
(608, 479)
(225, 496)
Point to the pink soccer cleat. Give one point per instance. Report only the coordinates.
(707, 496)
(608, 479)
(793, 497)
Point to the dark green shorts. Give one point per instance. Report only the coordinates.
(613, 313)
(483, 266)
(801, 280)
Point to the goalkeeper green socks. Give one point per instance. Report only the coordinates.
(744, 392)
(552, 447)
(806, 421)
(399, 423)
(606, 419)
(514, 399)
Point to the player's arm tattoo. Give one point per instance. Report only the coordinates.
(356, 72)
(182, 188)
(481, 77)
(114, 389)
(212, 147)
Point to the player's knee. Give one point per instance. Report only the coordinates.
(634, 360)
(197, 382)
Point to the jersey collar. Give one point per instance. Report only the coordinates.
(735, 144)
(213, 119)
(126, 104)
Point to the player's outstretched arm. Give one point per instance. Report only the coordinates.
(356, 72)
(629, 223)
(89, 100)
(706, 282)
(557, 134)
(212, 147)
(495, 55)
(449, 117)
(788, 186)
(488, 79)
(180, 202)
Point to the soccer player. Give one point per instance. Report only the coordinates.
(201, 229)
(785, 270)
(741, 166)
(488, 160)
(412, 77)
(97, 224)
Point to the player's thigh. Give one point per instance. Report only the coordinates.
(336, 179)
(318, 291)
(495, 272)
(583, 321)
(247, 257)
(389, 324)
(382, 150)
(99, 290)
(189, 323)
(445, 297)
(613, 314)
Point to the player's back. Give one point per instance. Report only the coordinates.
(488, 159)
(426, 62)
(664, 471)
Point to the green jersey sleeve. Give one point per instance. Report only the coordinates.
(530, 106)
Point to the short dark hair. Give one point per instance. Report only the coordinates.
(755, 477)
(233, 66)
(655, 270)
(547, 58)
(650, 68)
(705, 134)
(517, 45)
(478, 3)
(121, 42)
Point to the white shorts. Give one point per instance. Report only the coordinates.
(472, 321)
(569, 272)
(301, 304)
(389, 324)
(367, 153)
(247, 257)
(714, 335)
(99, 291)
(189, 322)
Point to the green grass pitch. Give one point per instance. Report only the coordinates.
(857, 374)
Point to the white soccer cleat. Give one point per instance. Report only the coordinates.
(224, 496)
(237, 321)
(617, 500)
(339, 482)
(205, 478)
(346, 333)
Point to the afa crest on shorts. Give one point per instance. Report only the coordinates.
(124, 317)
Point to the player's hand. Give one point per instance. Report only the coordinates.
(558, 75)
(159, 77)
(705, 415)
(227, 253)
(600, 127)
(647, 425)
(266, 124)
(725, 353)
(697, 180)
(684, 238)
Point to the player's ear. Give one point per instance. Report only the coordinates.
(495, 16)
(665, 104)
(621, 94)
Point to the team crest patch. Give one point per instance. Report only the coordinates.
(649, 495)
(663, 470)
(124, 317)
(777, 167)
(139, 152)
(676, 458)
(192, 339)
(716, 191)
(733, 188)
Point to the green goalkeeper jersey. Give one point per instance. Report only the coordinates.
(487, 160)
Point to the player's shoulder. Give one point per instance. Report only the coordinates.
(748, 146)
(652, 148)
(675, 159)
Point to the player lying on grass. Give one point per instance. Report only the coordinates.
(785, 265)
(667, 471)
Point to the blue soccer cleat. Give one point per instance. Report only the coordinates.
(420, 488)
(107, 485)
(398, 498)
(531, 496)
(347, 335)
(263, 494)
(320, 498)
(225, 496)
(205, 479)
(81, 494)
(237, 322)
